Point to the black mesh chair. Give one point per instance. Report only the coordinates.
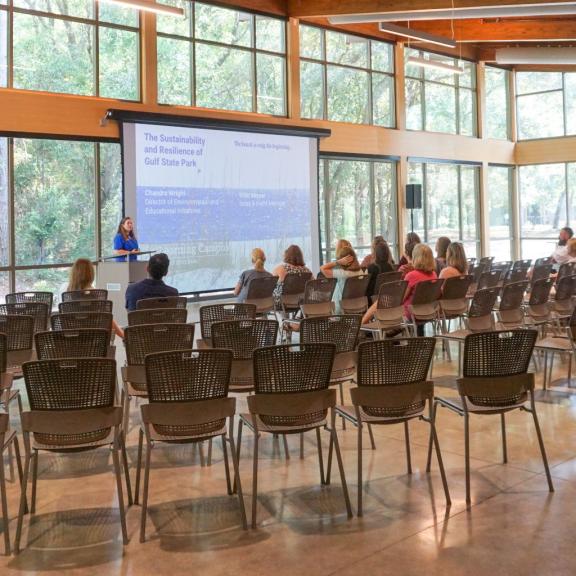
(162, 302)
(566, 269)
(158, 316)
(564, 299)
(19, 332)
(91, 294)
(539, 309)
(85, 306)
(317, 299)
(220, 313)
(389, 314)
(495, 381)
(25, 297)
(393, 388)
(293, 292)
(515, 275)
(510, 311)
(39, 311)
(71, 410)
(522, 265)
(454, 302)
(292, 396)
(188, 402)
(261, 294)
(78, 320)
(354, 299)
(82, 343)
(540, 272)
(543, 261)
(425, 306)
(487, 261)
(489, 279)
(503, 267)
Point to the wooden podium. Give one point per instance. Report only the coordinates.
(116, 276)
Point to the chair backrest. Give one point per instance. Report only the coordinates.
(504, 267)
(294, 284)
(261, 287)
(78, 320)
(522, 265)
(479, 269)
(221, 312)
(543, 261)
(19, 332)
(456, 288)
(567, 269)
(566, 289)
(391, 294)
(293, 368)
(427, 292)
(515, 275)
(70, 383)
(158, 316)
(244, 336)
(481, 307)
(91, 294)
(355, 287)
(541, 272)
(3, 352)
(188, 375)
(162, 302)
(572, 325)
(489, 279)
(540, 293)
(38, 310)
(512, 296)
(319, 290)
(487, 261)
(85, 306)
(385, 277)
(143, 339)
(21, 297)
(84, 343)
(342, 331)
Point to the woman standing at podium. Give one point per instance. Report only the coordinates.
(125, 243)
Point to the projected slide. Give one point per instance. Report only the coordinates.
(208, 197)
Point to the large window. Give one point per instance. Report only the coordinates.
(497, 114)
(81, 47)
(222, 58)
(450, 203)
(357, 202)
(546, 204)
(58, 193)
(440, 100)
(546, 104)
(346, 78)
(500, 189)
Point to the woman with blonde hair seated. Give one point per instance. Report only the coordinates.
(456, 263)
(258, 271)
(82, 278)
(345, 267)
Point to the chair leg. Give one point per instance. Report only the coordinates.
(23, 503)
(6, 518)
(34, 481)
(237, 483)
(371, 434)
(226, 464)
(542, 449)
(341, 468)
(255, 478)
(504, 446)
(467, 455)
(286, 449)
(320, 456)
(138, 467)
(126, 470)
(434, 435)
(145, 492)
(329, 464)
(10, 459)
(408, 455)
(201, 450)
(126, 416)
(210, 452)
(18, 459)
(360, 510)
(118, 474)
(301, 445)
(341, 385)
(238, 446)
(433, 409)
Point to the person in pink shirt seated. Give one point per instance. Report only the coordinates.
(456, 263)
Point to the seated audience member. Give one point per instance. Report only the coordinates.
(456, 263)
(408, 250)
(258, 271)
(382, 263)
(424, 269)
(560, 255)
(441, 246)
(411, 238)
(341, 245)
(293, 264)
(82, 278)
(153, 286)
(345, 267)
(370, 258)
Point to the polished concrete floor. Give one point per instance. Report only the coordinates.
(514, 526)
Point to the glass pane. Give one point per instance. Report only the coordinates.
(348, 95)
(440, 75)
(382, 56)
(569, 102)
(529, 82)
(53, 280)
(442, 209)
(224, 78)
(469, 199)
(79, 8)
(116, 14)
(322, 210)
(572, 195)
(383, 100)
(346, 49)
(440, 108)
(468, 77)
(385, 201)
(271, 84)
(174, 71)
(542, 201)
(540, 117)
(54, 201)
(179, 25)
(311, 90)
(415, 176)
(4, 230)
(413, 71)
(110, 194)
(4, 286)
(467, 119)
(414, 120)
(223, 25)
(53, 55)
(537, 248)
(500, 211)
(270, 34)
(3, 49)
(500, 250)
(119, 56)
(311, 42)
(497, 105)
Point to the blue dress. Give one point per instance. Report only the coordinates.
(125, 244)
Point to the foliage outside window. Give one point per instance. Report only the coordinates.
(500, 189)
(346, 78)
(74, 47)
(61, 189)
(496, 85)
(545, 104)
(547, 203)
(222, 58)
(440, 100)
(449, 203)
(357, 202)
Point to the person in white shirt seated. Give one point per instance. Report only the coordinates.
(560, 255)
(345, 267)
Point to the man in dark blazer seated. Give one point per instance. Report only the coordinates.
(153, 286)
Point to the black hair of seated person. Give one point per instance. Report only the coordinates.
(158, 266)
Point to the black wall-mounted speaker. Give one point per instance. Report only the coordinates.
(413, 196)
